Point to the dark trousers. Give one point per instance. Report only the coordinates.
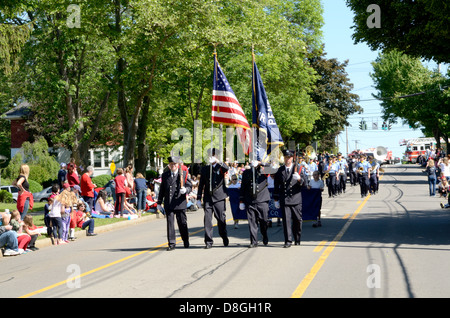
(218, 210)
(292, 222)
(33, 240)
(57, 227)
(119, 204)
(373, 183)
(342, 182)
(332, 184)
(89, 201)
(364, 184)
(258, 213)
(182, 226)
(89, 224)
(353, 178)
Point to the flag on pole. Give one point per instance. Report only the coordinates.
(267, 135)
(226, 109)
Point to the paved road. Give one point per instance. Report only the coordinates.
(392, 244)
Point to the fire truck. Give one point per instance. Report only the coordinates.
(416, 147)
(380, 153)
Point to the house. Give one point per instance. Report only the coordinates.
(99, 158)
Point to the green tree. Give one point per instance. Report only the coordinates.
(419, 28)
(65, 74)
(332, 94)
(410, 91)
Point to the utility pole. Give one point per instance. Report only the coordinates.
(346, 138)
(356, 144)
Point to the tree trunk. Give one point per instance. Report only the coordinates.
(142, 151)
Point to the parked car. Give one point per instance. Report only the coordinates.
(11, 189)
(42, 195)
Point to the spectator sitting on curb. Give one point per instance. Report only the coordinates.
(8, 239)
(81, 220)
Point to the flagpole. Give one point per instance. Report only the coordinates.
(254, 130)
(212, 125)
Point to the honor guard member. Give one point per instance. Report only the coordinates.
(373, 179)
(212, 188)
(287, 196)
(363, 168)
(173, 195)
(255, 197)
(342, 179)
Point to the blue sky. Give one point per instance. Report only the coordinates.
(337, 36)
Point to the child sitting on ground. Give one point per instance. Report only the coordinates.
(23, 239)
(443, 188)
(32, 231)
(80, 219)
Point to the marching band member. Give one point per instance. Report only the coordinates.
(288, 197)
(255, 197)
(173, 196)
(212, 188)
(342, 179)
(333, 170)
(374, 175)
(364, 170)
(352, 170)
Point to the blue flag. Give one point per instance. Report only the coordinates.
(267, 136)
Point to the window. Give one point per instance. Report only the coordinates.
(97, 159)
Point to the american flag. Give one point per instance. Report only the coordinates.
(226, 109)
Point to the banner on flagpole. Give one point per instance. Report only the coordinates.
(267, 137)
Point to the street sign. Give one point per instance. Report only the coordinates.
(112, 167)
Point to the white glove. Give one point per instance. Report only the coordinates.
(296, 176)
(199, 203)
(255, 163)
(213, 160)
(241, 206)
(277, 204)
(182, 190)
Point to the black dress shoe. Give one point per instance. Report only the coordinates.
(226, 241)
(265, 241)
(297, 243)
(186, 244)
(287, 245)
(208, 246)
(170, 248)
(253, 245)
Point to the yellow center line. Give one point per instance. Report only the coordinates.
(150, 251)
(320, 246)
(301, 288)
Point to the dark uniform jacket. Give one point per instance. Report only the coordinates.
(219, 190)
(262, 193)
(286, 189)
(169, 191)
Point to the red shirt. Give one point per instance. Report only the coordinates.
(72, 179)
(78, 217)
(86, 185)
(120, 183)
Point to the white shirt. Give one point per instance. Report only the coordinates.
(55, 212)
(445, 169)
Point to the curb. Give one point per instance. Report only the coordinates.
(104, 228)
